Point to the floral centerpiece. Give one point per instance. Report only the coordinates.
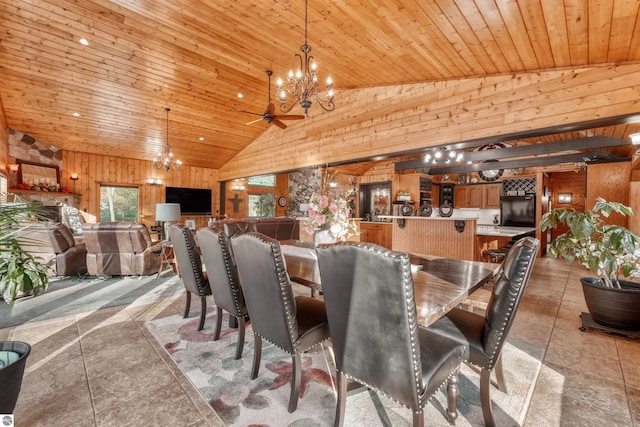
(329, 211)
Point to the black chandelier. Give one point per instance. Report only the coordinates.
(165, 160)
(303, 85)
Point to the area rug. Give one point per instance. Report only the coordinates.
(73, 295)
(224, 382)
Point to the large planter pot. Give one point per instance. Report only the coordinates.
(612, 307)
(11, 375)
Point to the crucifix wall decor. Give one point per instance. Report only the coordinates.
(236, 202)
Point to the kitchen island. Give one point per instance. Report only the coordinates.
(448, 237)
(494, 236)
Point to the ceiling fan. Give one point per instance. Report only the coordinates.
(269, 115)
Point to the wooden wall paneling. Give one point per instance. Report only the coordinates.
(426, 114)
(634, 203)
(4, 139)
(612, 184)
(96, 169)
(435, 237)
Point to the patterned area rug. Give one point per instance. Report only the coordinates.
(224, 383)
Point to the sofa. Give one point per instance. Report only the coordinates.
(279, 228)
(55, 246)
(121, 248)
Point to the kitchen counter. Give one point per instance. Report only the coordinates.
(496, 230)
(455, 216)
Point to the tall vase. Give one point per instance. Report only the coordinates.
(324, 235)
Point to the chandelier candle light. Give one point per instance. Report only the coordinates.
(303, 85)
(165, 160)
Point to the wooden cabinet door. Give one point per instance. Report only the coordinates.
(492, 193)
(475, 196)
(461, 196)
(380, 234)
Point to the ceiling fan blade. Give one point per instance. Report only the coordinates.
(289, 117)
(278, 123)
(249, 112)
(254, 121)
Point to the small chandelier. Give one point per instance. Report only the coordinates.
(303, 85)
(165, 160)
(443, 156)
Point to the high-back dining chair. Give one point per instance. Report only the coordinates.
(223, 278)
(295, 325)
(486, 335)
(194, 279)
(368, 293)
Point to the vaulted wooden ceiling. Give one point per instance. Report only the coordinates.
(194, 57)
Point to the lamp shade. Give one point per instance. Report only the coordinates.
(167, 211)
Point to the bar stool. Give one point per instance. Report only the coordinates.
(496, 255)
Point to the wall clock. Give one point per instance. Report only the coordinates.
(282, 201)
(492, 174)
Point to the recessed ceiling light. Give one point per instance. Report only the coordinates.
(75, 114)
(240, 95)
(84, 42)
(201, 138)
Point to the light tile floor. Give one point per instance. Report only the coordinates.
(105, 369)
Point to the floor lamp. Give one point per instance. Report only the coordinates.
(167, 212)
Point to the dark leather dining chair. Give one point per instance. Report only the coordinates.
(194, 279)
(486, 335)
(295, 325)
(223, 278)
(369, 298)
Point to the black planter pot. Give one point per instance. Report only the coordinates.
(612, 307)
(11, 375)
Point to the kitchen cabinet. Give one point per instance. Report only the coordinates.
(485, 196)
(419, 186)
(376, 232)
(491, 196)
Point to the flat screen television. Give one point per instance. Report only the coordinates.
(518, 211)
(193, 201)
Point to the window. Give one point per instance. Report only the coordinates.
(262, 205)
(266, 180)
(118, 203)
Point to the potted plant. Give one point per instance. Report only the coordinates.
(20, 271)
(13, 357)
(610, 252)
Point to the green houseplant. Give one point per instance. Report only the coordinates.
(610, 252)
(20, 271)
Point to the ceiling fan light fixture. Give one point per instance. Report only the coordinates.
(635, 138)
(303, 85)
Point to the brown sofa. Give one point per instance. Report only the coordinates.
(55, 246)
(120, 248)
(279, 228)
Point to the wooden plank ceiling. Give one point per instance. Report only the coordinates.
(196, 56)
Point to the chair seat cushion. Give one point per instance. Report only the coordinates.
(465, 327)
(440, 356)
(312, 322)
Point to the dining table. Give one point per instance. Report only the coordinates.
(440, 284)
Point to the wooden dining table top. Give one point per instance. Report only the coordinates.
(440, 284)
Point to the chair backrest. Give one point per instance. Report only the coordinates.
(510, 283)
(267, 289)
(188, 259)
(222, 271)
(368, 294)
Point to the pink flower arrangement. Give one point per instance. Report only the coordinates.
(332, 212)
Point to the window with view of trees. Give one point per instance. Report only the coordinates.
(118, 203)
(262, 205)
(266, 180)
